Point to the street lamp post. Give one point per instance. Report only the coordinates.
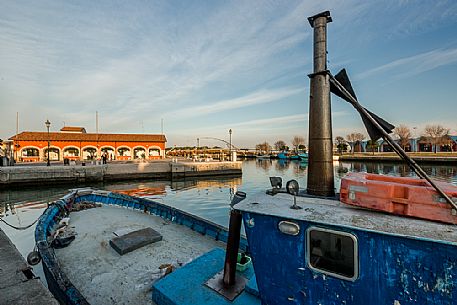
(48, 124)
(230, 144)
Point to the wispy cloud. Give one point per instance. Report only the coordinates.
(256, 98)
(413, 65)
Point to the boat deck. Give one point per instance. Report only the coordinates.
(105, 277)
(333, 212)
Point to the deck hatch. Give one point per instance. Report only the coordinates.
(332, 252)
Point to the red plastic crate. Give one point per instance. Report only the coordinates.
(399, 195)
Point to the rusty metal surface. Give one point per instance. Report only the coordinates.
(229, 292)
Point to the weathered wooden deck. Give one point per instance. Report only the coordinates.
(18, 285)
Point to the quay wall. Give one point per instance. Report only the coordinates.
(18, 284)
(36, 175)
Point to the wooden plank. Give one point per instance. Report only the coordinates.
(134, 240)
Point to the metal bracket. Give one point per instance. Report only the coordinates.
(216, 283)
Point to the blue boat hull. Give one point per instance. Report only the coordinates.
(393, 269)
(58, 283)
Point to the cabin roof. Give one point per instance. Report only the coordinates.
(101, 137)
(335, 213)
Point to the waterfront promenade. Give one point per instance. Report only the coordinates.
(160, 169)
(18, 285)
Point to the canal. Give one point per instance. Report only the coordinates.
(208, 198)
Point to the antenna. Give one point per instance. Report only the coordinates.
(17, 132)
(96, 128)
(96, 122)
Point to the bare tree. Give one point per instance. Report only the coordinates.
(263, 148)
(354, 138)
(297, 141)
(404, 135)
(280, 145)
(437, 135)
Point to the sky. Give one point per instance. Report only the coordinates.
(204, 67)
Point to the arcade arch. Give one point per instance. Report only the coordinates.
(71, 152)
(139, 152)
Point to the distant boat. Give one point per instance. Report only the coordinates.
(263, 157)
(294, 157)
(283, 155)
(303, 156)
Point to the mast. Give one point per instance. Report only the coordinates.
(320, 169)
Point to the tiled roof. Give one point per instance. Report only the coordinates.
(73, 129)
(89, 137)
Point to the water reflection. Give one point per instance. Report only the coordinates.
(264, 164)
(438, 172)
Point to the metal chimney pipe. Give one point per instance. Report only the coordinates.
(320, 168)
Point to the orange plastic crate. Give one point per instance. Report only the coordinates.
(399, 195)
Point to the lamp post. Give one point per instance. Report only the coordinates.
(48, 124)
(230, 145)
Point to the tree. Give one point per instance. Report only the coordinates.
(280, 145)
(354, 138)
(437, 135)
(372, 146)
(404, 135)
(341, 144)
(263, 147)
(297, 141)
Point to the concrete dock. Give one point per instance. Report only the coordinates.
(162, 169)
(18, 284)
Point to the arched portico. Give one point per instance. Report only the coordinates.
(30, 154)
(89, 152)
(54, 153)
(71, 152)
(139, 152)
(124, 153)
(109, 151)
(154, 152)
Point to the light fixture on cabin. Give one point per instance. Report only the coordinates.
(292, 188)
(276, 182)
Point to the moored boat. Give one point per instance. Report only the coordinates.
(306, 246)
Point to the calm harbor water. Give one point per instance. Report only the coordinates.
(208, 198)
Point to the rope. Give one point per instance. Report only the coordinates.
(19, 228)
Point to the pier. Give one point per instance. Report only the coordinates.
(18, 284)
(160, 169)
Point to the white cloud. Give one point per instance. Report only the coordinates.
(416, 64)
(259, 97)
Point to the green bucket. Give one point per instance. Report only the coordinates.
(242, 265)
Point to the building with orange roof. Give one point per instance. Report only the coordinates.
(74, 143)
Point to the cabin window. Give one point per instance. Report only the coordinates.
(333, 253)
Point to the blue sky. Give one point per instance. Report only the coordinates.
(208, 66)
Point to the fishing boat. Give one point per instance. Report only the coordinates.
(305, 245)
(284, 155)
(303, 155)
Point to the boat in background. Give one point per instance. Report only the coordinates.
(284, 155)
(303, 155)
